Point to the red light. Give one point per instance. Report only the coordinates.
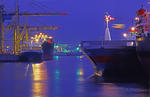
(132, 29)
(63, 13)
(49, 41)
(146, 30)
(111, 18)
(107, 19)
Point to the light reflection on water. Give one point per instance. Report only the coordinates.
(39, 80)
(62, 77)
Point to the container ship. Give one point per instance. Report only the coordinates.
(112, 57)
(40, 48)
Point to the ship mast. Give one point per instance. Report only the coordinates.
(107, 32)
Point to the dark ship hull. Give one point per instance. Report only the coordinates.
(48, 50)
(113, 59)
(43, 53)
(143, 52)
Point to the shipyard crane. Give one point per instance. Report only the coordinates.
(18, 36)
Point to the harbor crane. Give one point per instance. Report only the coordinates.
(18, 35)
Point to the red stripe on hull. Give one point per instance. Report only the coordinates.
(105, 59)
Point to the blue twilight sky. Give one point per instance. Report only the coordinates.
(85, 19)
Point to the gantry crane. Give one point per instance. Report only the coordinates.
(18, 36)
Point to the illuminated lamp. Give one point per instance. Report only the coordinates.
(111, 18)
(63, 13)
(50, 37)
(49, 41)
(132, 29)
(107, 19)
(136, 18)
(125, 35)
(146, 30)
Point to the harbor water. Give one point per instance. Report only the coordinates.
(64, 76)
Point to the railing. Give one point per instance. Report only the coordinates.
(107, 44)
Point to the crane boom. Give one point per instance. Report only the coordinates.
(33, 14)
(35, 27)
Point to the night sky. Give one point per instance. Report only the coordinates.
(85, 19)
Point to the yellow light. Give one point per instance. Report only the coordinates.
(132, 43)
(42, 36)
(35, 35)
(80, 73)
(125, 35)
(140, 39)
(32, 37)
(132, 28)
(46, 36)
(8, 46)
(50, 37)
(36, 40)
(41, 33)
(137, 19)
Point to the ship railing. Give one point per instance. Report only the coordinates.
(107, 44)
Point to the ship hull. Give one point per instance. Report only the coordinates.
(143, 52)
(47, 50)
(114, 61)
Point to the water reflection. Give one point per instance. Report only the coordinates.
(65, 77)
(39, 80)
(80, 70)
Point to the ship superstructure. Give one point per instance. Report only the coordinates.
(143, 38)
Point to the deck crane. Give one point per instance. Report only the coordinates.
(18, 36)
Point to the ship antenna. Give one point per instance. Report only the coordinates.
(107, 33)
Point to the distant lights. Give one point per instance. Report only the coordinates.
(50, 37)
(41, 37)
(36, 40)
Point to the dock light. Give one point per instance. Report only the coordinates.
(46, 36)
(7, 46)
(36, 40)
(77, 48)
(32, 37)
(125, 35)
(50, 37)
